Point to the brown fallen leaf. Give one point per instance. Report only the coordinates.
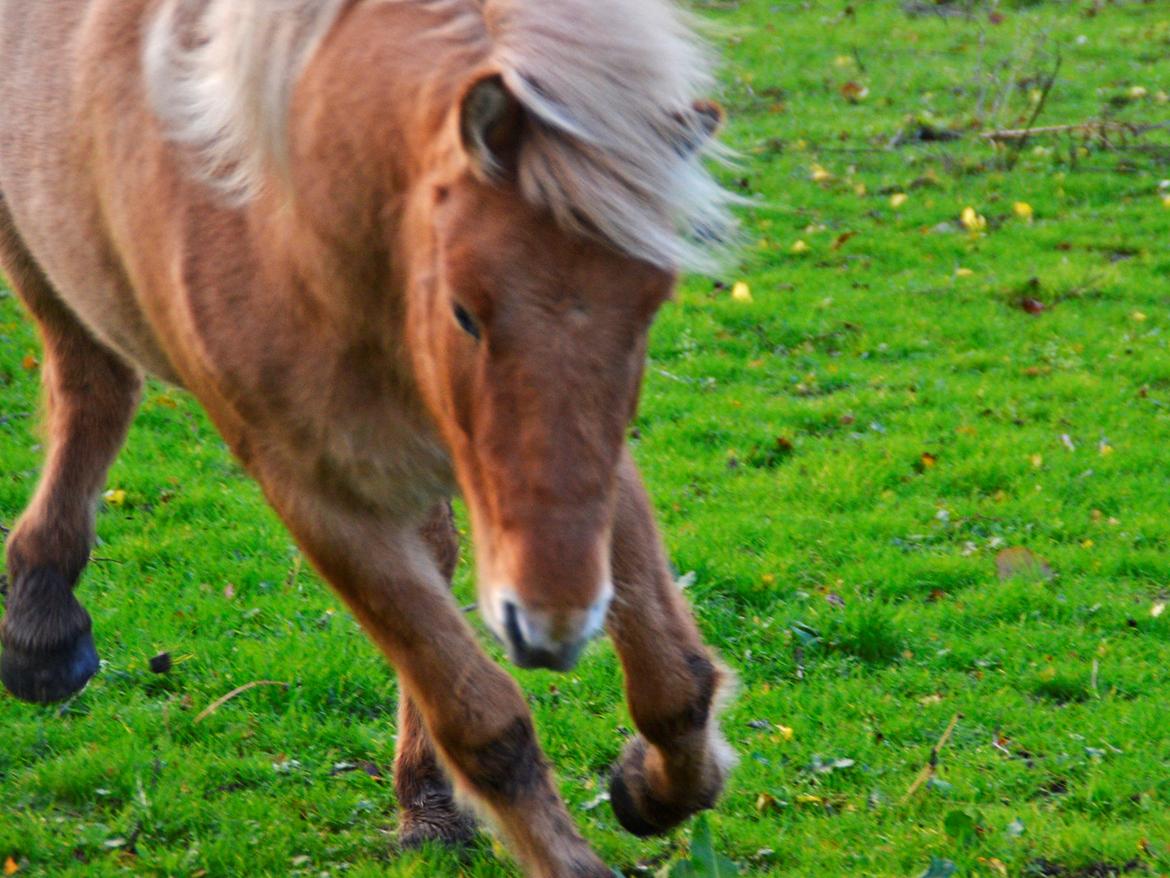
(854, 92)
(1019, 561)
(841, 240)
(926, 460)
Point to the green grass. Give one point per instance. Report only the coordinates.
(838, 461)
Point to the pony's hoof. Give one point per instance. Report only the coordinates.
(634, 804)
(51, 675)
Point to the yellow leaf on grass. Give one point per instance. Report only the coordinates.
(898, 199)
(786, 732)
(963, 272)
(115, 497)
(1138, 317)
(11, 867)
(800, 247)
(972, 220)
(741, 292)
(1023, 210)
(820, 174)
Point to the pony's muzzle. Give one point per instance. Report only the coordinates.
(544, 638)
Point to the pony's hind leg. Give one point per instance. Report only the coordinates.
(90, 395)
(678, 763)
(426, 801)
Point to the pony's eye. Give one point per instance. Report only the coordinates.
(466, 322)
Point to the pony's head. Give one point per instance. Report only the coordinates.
(541, 163)
(528, 336)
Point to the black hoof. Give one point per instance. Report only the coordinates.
(638, 809)
(46, 676)
(626, 810)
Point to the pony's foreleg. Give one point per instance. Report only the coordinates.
(426, 803)
(90, 397)
(678, 763)
(477, 719)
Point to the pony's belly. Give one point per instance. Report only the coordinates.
(101, 299)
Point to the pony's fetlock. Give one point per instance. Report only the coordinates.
(432, 815)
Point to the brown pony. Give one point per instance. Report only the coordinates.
(396, 248)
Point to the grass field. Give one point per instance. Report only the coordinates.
(839, 452)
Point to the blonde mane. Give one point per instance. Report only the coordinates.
(608, 84)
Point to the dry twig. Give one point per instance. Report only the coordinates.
(928, 770)
(1088, 129)
(239, 690)
(1014, 155)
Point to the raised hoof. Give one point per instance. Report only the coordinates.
(43, 677)
(626, 810)
(637, 809)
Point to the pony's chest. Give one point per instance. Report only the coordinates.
(384, 457)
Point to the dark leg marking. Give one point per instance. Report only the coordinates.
(509, 767)
(664, 731)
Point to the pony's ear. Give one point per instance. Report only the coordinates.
(491, 123)
(698, 125)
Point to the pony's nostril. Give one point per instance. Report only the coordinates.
(512, 625)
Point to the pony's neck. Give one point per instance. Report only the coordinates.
(369, 123)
